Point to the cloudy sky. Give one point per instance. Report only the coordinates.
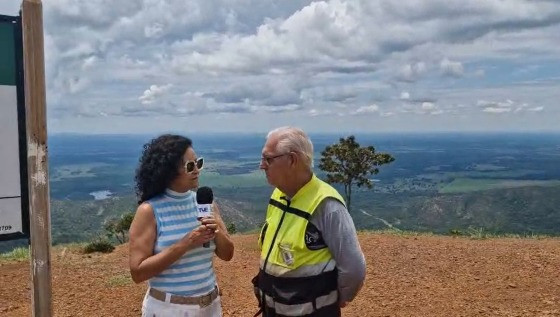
(341, 65)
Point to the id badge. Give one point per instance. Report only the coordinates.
(286, 252)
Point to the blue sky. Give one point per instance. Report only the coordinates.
(347, 65)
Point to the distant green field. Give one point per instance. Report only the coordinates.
(488, 167)
(70, 171)
(479, 173)
(463, 185)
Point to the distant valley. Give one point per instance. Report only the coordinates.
(501, 183)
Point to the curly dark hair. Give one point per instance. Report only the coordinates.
(158, 166)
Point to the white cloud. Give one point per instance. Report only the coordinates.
(507, 106)
(336, 30)
(252, 59)
(153, 93)
(405, 95)
(496, 104)
(366, 110)
(412, 72)
(536, 109)
(283, 108)
(450, 68)
(89, 62)
(496, 110)
(154, 30)
(428, 106)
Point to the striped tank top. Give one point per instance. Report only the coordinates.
(193, 273)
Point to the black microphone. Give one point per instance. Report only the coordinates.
(204, 198)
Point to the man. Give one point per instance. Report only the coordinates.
(311, 261)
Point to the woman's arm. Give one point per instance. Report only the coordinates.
(224, 244)
(143, 263)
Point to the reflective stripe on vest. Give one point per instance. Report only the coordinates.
(302, 309)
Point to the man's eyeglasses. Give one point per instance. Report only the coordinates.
(189, 165)
(269, 159)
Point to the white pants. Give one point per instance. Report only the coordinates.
(152, 307)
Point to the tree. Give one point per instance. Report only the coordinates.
(118, 228)
(347, 163)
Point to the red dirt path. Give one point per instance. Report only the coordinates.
(407, 276)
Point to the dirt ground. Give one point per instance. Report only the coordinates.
(407, 276)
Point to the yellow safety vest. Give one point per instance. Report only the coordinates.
(295, 279)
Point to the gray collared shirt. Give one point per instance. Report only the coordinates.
(339, 233)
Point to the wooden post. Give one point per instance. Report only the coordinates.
(36, 125)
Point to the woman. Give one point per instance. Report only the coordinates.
(166, 239)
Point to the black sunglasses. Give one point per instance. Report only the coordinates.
(189, 165)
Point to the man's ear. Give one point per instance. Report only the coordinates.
(294, 158)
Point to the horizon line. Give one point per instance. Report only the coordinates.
(474, 132)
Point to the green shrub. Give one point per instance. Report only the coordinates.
(99, 245)
(231, 228)
(118, 227)
(455, 232)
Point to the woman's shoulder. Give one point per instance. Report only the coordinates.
(145, 207)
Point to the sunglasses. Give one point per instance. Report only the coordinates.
(190, 165)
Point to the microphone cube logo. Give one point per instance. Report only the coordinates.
(204, 210)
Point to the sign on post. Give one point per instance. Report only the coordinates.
(14, 201)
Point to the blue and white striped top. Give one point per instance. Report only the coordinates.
(193, 273)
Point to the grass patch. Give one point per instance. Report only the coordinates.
(74, 247)
(398, 232)
(119, 280)
(17, 254)
(471, 233)
(481, 234)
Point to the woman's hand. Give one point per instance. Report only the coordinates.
(224, 244)
(211, 223)
(201, 234)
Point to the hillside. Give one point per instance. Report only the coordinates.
(528, 209)
(407, 276)
(500, 183)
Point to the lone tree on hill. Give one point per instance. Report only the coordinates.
(347, 163)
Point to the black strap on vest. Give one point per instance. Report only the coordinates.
(289, 209)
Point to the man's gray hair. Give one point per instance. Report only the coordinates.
(292, 139)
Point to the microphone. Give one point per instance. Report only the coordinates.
(204, 198)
